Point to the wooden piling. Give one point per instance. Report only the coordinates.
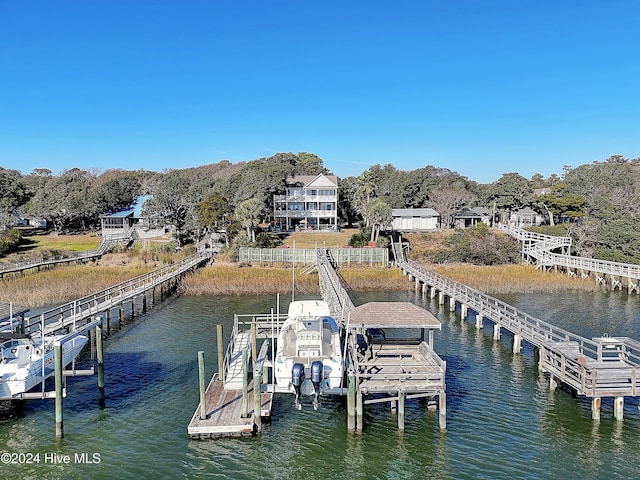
(257, 400)
(57, 358)
(359, 412)
(618, 408)
(254, 343)
(100, 358)
(596, 402)
(245, 383)
(442, 414)
(401, 396)
(351, 401)
(517, 343)
(201, 382)
(220, 352)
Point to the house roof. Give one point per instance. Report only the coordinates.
(466, 212)
(526, 211)
(134, 210)
(414, 212)
(319, 180)
(392, 315)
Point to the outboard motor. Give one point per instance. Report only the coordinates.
(316, 378)
(297, 377)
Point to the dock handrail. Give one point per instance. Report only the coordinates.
(75, 312)
(534, 330)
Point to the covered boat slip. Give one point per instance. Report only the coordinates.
(392, 359)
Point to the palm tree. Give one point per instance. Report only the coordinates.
(249, 214)
(379, 214)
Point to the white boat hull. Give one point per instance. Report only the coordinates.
(309, 335)
(18, 376)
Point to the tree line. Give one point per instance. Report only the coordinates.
(597, 203)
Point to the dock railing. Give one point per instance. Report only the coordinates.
(534, 330)
(72, 314)
(307, 256)
(107, 244)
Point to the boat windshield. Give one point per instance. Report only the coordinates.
(331, 323)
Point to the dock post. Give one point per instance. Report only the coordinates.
(463, 310)
(245, 381)
(257, 400)
(254, 343)
(595, 408)
(220, 352)
(441, 298)
(479, 321)
(442, 414)
(452, 304)
(107, 318)
(100, 359)
(351, 401)
(144, 302)
(517, 343)
(57, 358)
(359, 412)
(432, 292)
(201, 381)
(618, 408)
(401, 411)
(496, 331)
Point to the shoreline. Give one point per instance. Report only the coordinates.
(66, 283)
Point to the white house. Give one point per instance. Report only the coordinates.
(415, 220)
(310, 202)
(525, 217)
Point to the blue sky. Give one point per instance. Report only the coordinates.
(481, 87)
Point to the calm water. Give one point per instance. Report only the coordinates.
(502, 420)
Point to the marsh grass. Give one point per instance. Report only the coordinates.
(64, 283)
(232, 279)
(513, 279)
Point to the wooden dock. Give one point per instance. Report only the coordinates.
(224, 412)
(594, 368)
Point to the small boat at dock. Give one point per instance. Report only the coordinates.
(27, 361)
(308, 357)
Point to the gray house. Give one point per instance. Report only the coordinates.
(415, 220)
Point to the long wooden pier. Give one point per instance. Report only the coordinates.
(594, 368)
(538, 249)
(76, 313)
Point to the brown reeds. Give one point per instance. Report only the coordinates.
(513, 279)
(232, 279)
(63, 283)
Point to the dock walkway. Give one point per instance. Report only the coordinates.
(106, 245)
(224, 412)
(595, 368)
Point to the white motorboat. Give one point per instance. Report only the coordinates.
(26, 361)
(308, 355)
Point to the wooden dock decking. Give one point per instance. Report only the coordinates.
(224, 412)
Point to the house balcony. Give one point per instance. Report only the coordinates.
(305, 213)
(305, 198)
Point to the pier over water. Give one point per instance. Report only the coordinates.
(594, 368)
